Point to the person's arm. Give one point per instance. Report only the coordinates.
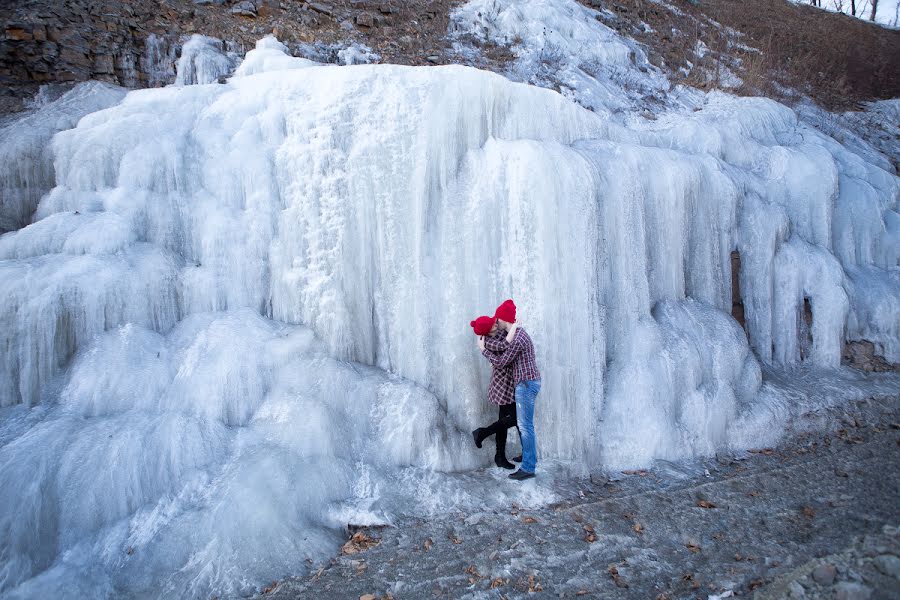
(507, 357)
(495, 344)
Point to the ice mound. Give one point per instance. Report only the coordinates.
(561, 43)
(203, 60)
(26, 166)
(178, 464)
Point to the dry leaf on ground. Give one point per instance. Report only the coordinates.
(359, 543)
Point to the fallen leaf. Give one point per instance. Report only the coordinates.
(529, 520)
(129, 551)
(754, 493)
(590, 538)
(454, 539)
(640, 472)
(582, 593)
(358, 543)
(808, 512)
(617, 579)
(755, 584)
(498, 582)
(534, 585)
(738, 557)
(368, 597)
(693, 548)
(270, 587)
(638, 528)
(318, 573)
(705, 504)
(628, 515)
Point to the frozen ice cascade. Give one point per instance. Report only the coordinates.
(239, 318)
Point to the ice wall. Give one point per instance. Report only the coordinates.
(193, 462)
(249, 303)
(203, 60)
(26, 165)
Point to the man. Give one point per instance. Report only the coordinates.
(526, 379)
(501, 390)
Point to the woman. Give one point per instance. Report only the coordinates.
(501, 390)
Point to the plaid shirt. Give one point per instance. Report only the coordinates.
(501, 390)
(519, 354)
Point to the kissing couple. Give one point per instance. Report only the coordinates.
(515, 383)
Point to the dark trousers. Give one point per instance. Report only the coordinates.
(505, 420)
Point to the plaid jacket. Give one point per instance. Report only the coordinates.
(519, 354)
(501, 390)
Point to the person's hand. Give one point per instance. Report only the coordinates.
(481, 342)
(512, 332)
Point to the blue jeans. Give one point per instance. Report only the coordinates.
(526, 392)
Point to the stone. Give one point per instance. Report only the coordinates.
(824, 574)
(851, 591)
(325, 9)
(18, 34)
(216, 2)
(244, 9)
(103, 64)
(889, 565)
(796, 591)
(347, 25)
(39, 34)
(365, 20)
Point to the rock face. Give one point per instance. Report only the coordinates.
(862, 355)
(135, 43)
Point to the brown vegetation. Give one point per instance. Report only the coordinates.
(776, 47)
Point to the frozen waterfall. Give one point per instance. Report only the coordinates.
(239, 318)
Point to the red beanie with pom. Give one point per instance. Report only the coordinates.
(483, 325)
(506, 312)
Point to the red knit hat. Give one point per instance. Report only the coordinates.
(506, 312)
(483, 325)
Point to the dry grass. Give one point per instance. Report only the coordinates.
(774, 46)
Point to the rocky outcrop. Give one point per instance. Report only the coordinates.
(861, 355)
(136, 43)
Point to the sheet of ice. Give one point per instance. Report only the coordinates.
(196, 461)
(357, 54)
(561, 44)
(158, 60)
(203, 60)
(243, 310)
(26, 165)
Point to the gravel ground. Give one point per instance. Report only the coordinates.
(815, 518)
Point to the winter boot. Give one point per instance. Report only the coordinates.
(500, 460)
(479, 435)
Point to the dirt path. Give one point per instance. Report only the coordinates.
(825, 505)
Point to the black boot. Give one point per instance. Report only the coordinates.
(501, 462)
(517, 458)
(479, 435)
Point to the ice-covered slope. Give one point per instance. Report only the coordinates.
(240, 319)
(26, 165)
